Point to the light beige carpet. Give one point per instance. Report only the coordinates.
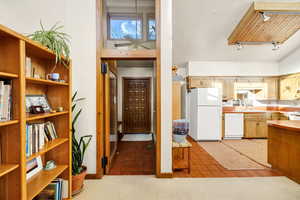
(255, 149)
(229, 158)
(151, 188)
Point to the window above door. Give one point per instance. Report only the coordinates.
(124, 26)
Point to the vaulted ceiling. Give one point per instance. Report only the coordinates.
(201, 29)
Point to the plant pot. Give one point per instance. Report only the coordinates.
(77, 182)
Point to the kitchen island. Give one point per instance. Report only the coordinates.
(284, 147)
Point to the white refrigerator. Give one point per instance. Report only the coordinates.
(205, 116)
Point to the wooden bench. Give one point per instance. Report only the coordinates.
(176, 148)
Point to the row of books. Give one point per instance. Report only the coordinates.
(36, 136)
(56, 190)
(5, 100)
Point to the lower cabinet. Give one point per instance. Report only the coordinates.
(255, 126)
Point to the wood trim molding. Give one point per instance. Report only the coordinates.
(99, 93)
(93, 176)
(158, 88)
(165, 175)
(131, 54)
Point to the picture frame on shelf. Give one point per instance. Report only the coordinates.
(37, 100)
(33, 167)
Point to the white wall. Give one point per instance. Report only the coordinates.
(24, 16)
(202, 68)
(166, 85)
(81, 25)
(290, 64)
(133, 72)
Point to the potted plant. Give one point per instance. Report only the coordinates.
(79, 147)
(55, 40)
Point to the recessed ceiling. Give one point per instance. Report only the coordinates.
(201, 29)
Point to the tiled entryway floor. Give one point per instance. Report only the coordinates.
(134, 158)
(204, 165)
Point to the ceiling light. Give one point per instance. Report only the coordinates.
(265, 17)
(275, 46)
(239, 46)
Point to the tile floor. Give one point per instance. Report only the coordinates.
(134, 158)
(204, 165)
(151, 188)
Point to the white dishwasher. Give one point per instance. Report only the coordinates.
(234, 125)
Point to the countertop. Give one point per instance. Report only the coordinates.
(256, 111)
(292, 125)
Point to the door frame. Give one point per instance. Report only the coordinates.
(151, 54)
(150, 97)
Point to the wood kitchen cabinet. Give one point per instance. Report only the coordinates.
(255, 126)
(288, 87)
(272, 87)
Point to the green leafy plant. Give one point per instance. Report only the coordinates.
(54, 40)
(79, 144)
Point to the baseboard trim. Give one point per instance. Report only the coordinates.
(164, 175)
(92, 176)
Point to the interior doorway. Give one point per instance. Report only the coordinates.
(129, 112)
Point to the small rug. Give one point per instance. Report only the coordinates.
(254, 149)
(137, 137)
(229, 158)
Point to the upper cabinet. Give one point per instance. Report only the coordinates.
(290, 87)
(267, 22)
(239, 88)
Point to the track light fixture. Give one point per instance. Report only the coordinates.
(265, 17)
(239, 46)
(275, 46)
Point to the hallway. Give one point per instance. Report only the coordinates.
(134, 158)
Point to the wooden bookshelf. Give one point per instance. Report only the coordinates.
(14, 48)
(31, 117)
(7, 123)
(44, 82)
(41, 180)
(6, 168)
(48, 146)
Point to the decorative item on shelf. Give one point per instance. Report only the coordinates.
(55, 40)
(37, 100)
(36, 109)
(79, 147)
(36, 76)
(53, 76)
(33, 167)
(50, 165)
(60, 109)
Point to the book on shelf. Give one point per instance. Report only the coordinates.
(37, 135)
(5, 100)
(56, 190)
(28, 68)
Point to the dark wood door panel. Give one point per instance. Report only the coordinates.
(136, 105)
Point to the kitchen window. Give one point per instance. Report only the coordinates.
(124, 26)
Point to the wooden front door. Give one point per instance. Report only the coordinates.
(136, 105)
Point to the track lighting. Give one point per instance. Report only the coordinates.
(265, 17)
(239, 46)
(275, 46)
